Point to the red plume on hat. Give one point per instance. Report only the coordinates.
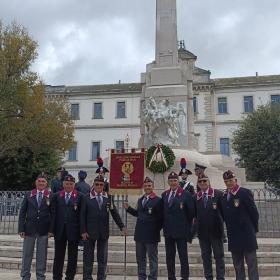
(100, 162)
(183, 163)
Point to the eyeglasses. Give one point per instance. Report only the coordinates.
(98, 184)
(202, 181)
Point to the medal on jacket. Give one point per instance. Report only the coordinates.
(108, 206)
(181, 205)
(47, 201)
(214, 204)
(150, 210)
(75, 206)
(236, 202)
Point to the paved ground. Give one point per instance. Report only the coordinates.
(11, 275)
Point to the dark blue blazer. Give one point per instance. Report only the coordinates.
(210, 222)
(95, 221)
(177, 217)
(241, 217)
(66, 220)
(33, 219)
(149, 219)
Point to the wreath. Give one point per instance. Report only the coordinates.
(159, 158)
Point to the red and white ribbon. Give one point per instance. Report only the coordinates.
(154, 157)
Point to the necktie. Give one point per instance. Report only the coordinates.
(205, 198)
(144, 201)
(67, 198)
(99, 200)
(171, 197)
(40, 197)
(228, 196)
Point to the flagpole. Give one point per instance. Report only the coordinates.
(126, 200)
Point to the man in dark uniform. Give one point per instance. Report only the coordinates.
(95, 228)
(184, 183)
(178, 213)
(147, 229)
(210, 228)
(66, 228)
(241, 218)
(34, 226)
(101, 171)
(82, 186)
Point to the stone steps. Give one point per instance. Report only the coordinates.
(131, 268)
(268, 258)
(117, 256)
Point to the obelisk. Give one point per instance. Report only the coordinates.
(166, 33)
(167, 92)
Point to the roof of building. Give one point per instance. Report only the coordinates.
(246, 80)
(96, 89)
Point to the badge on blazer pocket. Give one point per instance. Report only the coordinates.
(75, 206)
(214, 205)
(48, 201)
(150, 210)
(236, 203)
(181, 205)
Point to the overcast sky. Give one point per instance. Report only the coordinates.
(104, 41)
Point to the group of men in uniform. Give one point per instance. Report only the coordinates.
(180, 211)
(69, 213)
(75, 212)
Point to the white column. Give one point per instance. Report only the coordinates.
(166, 33)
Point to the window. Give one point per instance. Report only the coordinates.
(275, 98)
(120, 110)
(224, 146)
(119, 145)
(72, 153)
(248, 104)
(75, 111)
(97, 110)
(95, 152)
(194, 104)
(222, 105)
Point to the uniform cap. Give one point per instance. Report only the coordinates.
(148, 180)
(173, 175)
(69, 178)
(228, 175)
(198, 166)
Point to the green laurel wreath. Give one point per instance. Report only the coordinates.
(159, 166)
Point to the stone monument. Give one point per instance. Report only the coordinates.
(167, 102)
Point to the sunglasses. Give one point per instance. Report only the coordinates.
(99, 184)
(202, 181)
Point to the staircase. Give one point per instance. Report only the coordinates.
(268, 258)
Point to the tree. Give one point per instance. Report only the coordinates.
(257, 143)
(35, 130)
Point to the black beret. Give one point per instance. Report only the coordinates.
(99, 179)
(69, 178)
(173, 175)
(228, 175)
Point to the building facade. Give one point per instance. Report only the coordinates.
(105, 116)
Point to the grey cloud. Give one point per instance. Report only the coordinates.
(94, 41)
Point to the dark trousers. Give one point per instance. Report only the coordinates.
(182, 248)
(88, 258)
(142, 249)
(215, 245)
(252, 263)
(59, 255)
